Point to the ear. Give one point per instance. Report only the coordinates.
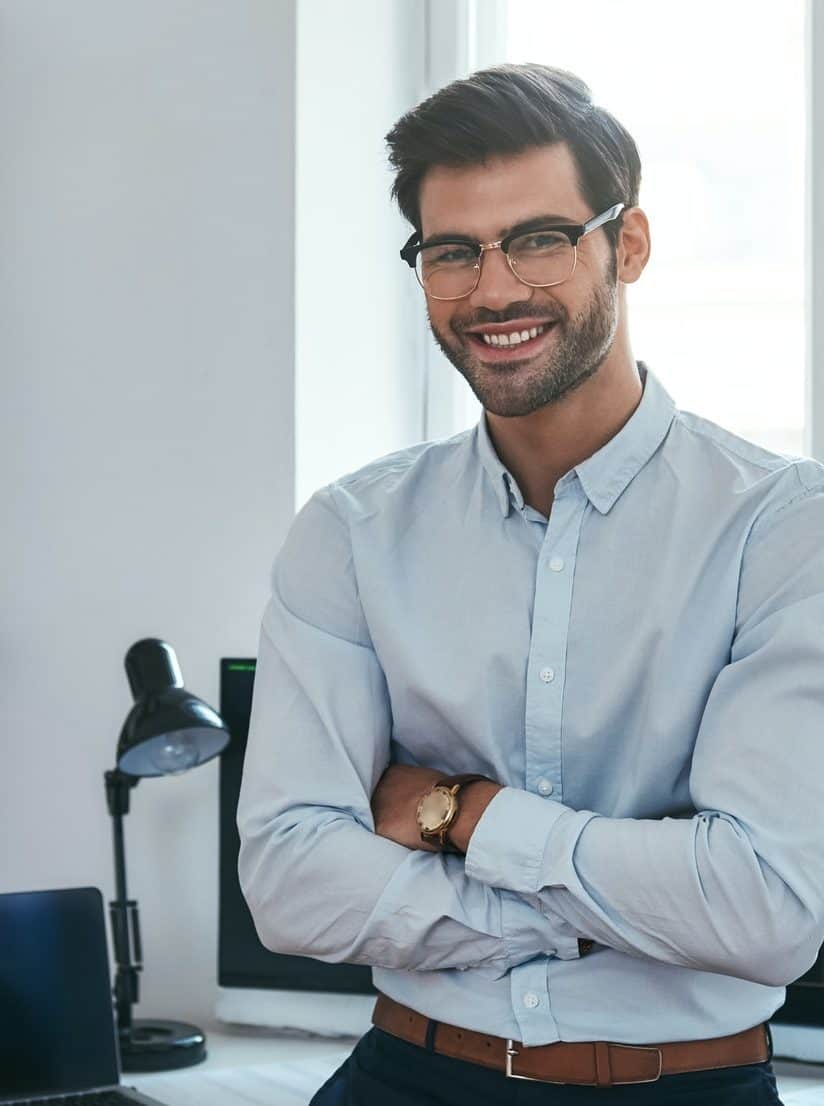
(633, 247)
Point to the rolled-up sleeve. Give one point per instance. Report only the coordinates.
(318, 881)
(738, 888)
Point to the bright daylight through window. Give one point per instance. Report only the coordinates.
(715, 102)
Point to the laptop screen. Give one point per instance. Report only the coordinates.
(57, 1027)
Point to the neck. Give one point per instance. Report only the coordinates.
(539, 448)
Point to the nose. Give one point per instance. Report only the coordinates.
(498, 285)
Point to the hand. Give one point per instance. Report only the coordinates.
(395, 802)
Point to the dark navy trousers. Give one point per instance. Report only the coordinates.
(383, 1070)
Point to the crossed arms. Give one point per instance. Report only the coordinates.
(736, 889)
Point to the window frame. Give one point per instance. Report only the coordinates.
(814, 234)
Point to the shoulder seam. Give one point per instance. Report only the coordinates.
(344, 519)
(722, 444)
(399, 459)
(331, 505)
(757, 522)
(762, 519)
(806, 491)
(810, 487)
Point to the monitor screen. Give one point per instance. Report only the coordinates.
(242, 959)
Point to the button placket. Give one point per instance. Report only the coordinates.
(550, 628)
(529, 995)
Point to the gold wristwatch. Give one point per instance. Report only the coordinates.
(439, 807)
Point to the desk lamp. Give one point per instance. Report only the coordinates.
(166, 732)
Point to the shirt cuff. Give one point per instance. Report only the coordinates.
(523, 842)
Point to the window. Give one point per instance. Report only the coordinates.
(715, 100)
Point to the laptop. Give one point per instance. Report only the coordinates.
(58, 1040)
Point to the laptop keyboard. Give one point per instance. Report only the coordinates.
(91, 1098)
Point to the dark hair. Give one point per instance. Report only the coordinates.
(507, 109)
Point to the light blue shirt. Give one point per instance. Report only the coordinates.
(644, 671)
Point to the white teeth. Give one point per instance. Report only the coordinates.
(513, 339)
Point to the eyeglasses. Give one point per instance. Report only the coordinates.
(541, 258)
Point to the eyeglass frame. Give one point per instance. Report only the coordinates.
(573, 231)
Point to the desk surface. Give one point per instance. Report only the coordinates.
(248, 1067)
(258, 1067)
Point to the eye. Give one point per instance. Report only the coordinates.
(540, 240)
(448, 254)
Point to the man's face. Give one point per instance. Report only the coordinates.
(485, 202)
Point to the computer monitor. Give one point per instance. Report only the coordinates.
(258, 986)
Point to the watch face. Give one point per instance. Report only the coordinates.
(434, 809)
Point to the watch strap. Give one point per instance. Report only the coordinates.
(465, 777)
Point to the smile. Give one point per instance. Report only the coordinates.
(517, 345)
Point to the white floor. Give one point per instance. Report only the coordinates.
(799, 1084)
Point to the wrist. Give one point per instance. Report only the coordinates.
(474, 798)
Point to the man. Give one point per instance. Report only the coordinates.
(610, 610)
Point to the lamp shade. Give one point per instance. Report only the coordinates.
(168, 730)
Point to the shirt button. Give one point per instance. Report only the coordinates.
(547, 675)
(556, 564)
(545, 786)
(531, 1000)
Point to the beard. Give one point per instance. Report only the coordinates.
(577, 350)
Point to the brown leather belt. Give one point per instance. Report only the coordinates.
(591, 1063)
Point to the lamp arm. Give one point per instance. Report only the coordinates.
(121, 909)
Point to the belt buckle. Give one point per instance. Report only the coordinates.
(510, 1074)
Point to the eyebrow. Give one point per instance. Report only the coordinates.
(527, 225)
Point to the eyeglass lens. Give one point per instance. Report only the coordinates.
(450, 270)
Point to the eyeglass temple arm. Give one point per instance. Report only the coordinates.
(605, 217)
(407, 253)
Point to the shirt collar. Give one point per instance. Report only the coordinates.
(609, 470)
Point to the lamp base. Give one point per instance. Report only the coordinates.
(161, 1046)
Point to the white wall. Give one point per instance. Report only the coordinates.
(150, 452)
(146, 429)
